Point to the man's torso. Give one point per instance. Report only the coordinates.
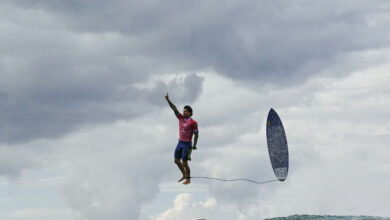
(187, 127)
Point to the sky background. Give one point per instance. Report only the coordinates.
(86, 133)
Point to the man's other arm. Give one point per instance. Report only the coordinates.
(196, 135)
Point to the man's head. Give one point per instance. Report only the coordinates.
(187, 111)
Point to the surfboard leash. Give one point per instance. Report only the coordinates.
(231, 180)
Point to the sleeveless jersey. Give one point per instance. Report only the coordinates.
(187, 127)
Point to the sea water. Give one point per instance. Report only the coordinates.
(328, 217)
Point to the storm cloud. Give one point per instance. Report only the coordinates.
(65, 63)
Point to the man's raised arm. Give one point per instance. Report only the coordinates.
(173, 107)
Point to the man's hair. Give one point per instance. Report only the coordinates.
(189, 109)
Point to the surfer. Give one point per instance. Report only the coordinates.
(187, 128)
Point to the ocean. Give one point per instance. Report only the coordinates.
(328, 217)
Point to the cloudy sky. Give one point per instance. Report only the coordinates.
(85, 131)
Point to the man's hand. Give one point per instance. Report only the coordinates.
(167, 97)
(194, 147)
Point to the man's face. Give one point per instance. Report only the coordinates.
(186, 113)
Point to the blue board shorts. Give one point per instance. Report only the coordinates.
(183, 150)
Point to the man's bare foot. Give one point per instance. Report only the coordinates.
(181, 179)
(188, 181)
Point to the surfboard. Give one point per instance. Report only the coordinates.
(277, 145)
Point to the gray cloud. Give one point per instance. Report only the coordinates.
(281, 42)
(62, 63)
(46, 95)
(54, 80)
(55, 110)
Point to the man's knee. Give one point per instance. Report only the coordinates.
(177, 161)
(185, 163)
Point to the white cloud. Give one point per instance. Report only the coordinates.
(337, 132)
(114, 169)
(337, 149)
(185, 207)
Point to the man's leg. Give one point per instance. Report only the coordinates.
(187, 172)
(181, 168)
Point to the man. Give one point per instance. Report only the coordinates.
(187, 128)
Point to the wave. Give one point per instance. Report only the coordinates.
(328, 217)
